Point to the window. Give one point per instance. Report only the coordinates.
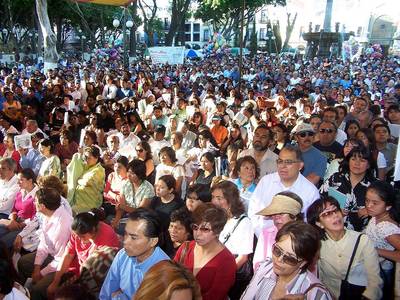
(196, 27)
(264, 16)
(188, 27)
(206, 35)
(188, 37)
(196, 37)
(263, 33)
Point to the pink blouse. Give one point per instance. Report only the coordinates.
(24, 206)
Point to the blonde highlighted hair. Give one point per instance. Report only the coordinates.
(163, 279)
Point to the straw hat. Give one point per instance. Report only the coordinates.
(281, 204)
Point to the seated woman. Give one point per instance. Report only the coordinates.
(24, 208)
(111, 155)
(285, 207)
(88, 234)
(169, 166)
(246, 173)
(286, 275)
(338, 244)
(238, 233)
(114, 184)
(179, 228)
(143, 152)
(66, 148)
(136, 191)
(207, 169)
(206, 257)
(197, 194)
(85, 180)
(9, 150)
(166, 200)
(51, 165)
(351, 182)
(168, 280)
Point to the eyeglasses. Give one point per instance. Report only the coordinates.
(203, 229)
(306, 133)
(330, 213)
(326, 130)
(139, 150)
(286, 258)
(286, 162)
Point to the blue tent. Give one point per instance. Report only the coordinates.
(191, 54)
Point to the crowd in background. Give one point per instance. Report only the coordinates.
(193, 182)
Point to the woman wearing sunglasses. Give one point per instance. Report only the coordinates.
(143, 152)
(337, 246)
(211, 263)
(296, 246)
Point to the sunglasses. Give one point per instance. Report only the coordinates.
(203, 229)
(306, 133)
(139, 150)
(286, 258)
(327, 130)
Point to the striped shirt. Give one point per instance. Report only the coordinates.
(264, 281)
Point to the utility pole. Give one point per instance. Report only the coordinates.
(241, 45)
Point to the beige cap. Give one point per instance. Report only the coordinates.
(281, 204)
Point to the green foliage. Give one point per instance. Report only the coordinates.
(253, 39)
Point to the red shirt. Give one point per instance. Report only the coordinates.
(106, 236)
(216, 277)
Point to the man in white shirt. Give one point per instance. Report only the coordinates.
(110, 89)
(32, 127)
(288, 178)
(127, 140)
(8, 186)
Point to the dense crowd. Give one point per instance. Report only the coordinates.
(193, 182)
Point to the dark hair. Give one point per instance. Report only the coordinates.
(370, 137)
(6, 281)
(209, 213)
(47, 143)
(94, 150)
(92, 135)
(138, 167)
(265, 127)
(305, 240)
(28, 174)
(387, 193)
(350, 122)
(49, 197)
(363, 152)
(153, 224)
(241, 161)
(330, 109)
(183, 216)
(65, 133)
(201, 190)
(231, 195)
(170, 152)
(145, 145)
(73, 292)
(381, 125)
(87, 222)
(123, 161)
(209, 156)
(316, 208)
(206, 134)
(169, 181)
(294, 149)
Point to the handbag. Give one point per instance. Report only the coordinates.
(184, 253)
(347, 289)
(244, 273)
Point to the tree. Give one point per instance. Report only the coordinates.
(289, 30)
(149, 18)
(179, 9)
(277, 33)
(253, 39)
(224, 15)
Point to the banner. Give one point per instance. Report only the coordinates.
(170, 55)
(107, 2)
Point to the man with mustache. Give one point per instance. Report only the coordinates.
(314, 161)
(266, 159)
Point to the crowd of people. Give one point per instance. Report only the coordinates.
(193, 182)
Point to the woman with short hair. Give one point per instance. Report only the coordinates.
(52, 164)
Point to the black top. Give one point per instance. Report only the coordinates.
(164, 210)
(333, 151)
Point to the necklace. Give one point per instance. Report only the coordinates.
(378, 220)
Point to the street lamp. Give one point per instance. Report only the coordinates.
(126, 26)
(83, 47)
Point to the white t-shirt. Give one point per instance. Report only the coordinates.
(16, 295)
(240, 241)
